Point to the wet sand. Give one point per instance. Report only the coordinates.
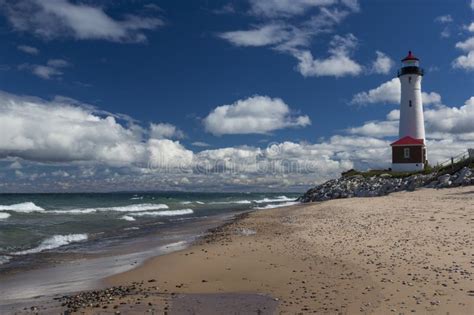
(409, 252)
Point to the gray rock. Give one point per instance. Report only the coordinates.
(462, 175)
(444, 179)
(359, 186)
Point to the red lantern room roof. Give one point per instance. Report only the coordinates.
(408, 141)
(410, 56)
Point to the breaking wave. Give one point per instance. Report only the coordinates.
(4, 259)
(191, 202)
(73, 211)
(135, 208)
(128, 218)
(277, 199)
(4, 215)
(243, 202)
(168, 213)
(24, 207)
(54, 242)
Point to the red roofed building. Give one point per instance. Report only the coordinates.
(409, 152)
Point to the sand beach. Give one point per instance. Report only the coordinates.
(409, 252)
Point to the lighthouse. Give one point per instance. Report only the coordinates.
(409, 151)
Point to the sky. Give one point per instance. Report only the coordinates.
(249, 95)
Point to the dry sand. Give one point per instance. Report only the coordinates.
(409, 252)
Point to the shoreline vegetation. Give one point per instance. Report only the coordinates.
(408, 252)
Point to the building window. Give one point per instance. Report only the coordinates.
(406, 153)
(409, 103)
(409, 79)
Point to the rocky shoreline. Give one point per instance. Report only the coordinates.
(384, 184)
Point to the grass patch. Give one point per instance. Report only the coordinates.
(371, 173)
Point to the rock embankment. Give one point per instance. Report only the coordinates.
(360, 186)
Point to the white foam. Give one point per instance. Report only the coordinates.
(278, 205)
(127, 218)
(4, 259)
(73, 211)
(190, 202)
(4, 215)
(277, 199)
(54, 242)
(135, 208)
(136, 198)
(24, 207)
(131, 228)
(168, 213)
(231, 202)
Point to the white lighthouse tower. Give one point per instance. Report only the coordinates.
(409, 152)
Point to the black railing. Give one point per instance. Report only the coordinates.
(410, 70)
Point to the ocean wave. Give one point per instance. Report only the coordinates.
(168, 213)
(127, 218)
(4, 259)
(72, 211)
(136, 198)
(278, 205)
(24, 207)
(129, 208)
(277, 199)
(135, 208)
(54, 242)
(191, 202)
(4, 215)
(243, 202)
(131, 228)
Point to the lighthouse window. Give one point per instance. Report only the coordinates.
(409, 79)
(409, 103)
(406, 153)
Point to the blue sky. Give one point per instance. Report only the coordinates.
(125, 95)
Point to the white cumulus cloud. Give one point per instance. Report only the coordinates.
(52, 69)
(390, 93)
(165, 131)
(61, 18)
(286, 8)
(262, 35)
(28, 49)
(338, 64)
(466, 62)
(279, 32)
(257, 114)
(63, 130)
(383, 64)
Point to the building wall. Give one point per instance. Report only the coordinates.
(411, 117)
(417, 154)
(407, 167)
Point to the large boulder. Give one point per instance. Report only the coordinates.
(463, 176)
(444, 179)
